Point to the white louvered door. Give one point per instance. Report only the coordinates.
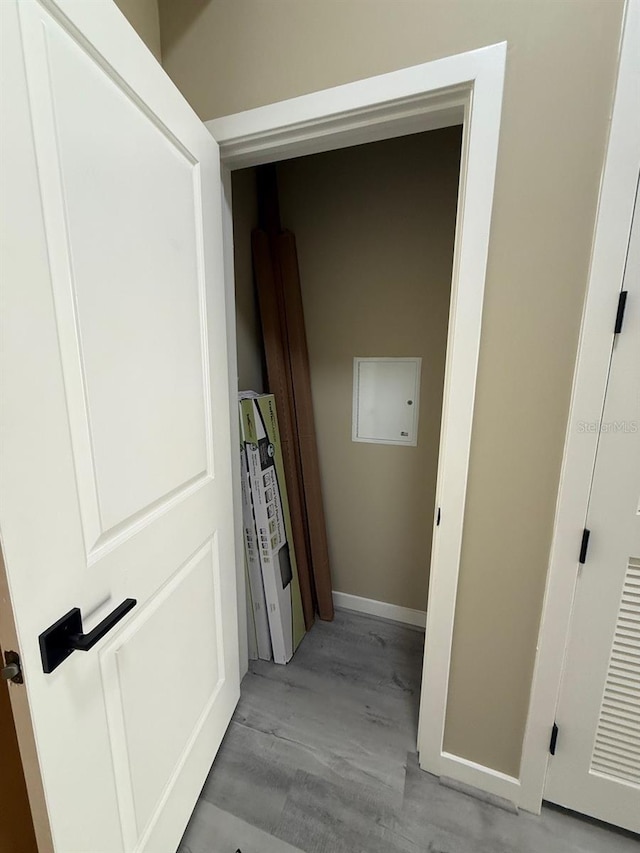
(596, 768)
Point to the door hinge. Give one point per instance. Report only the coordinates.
(12, 669)
(584, 546)
(438, 518)
(622, 304)
(554, 739)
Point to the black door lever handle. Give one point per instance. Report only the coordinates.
(83, 642)
(66, 635)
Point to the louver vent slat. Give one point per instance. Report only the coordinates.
(616, 751)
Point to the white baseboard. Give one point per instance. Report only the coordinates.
(478, 776)
(381, 609)
(485, 779)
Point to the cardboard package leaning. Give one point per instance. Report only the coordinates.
(263, 450)
(257, 620)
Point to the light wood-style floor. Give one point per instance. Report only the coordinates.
(321, 758)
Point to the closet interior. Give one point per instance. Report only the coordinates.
(343, 268)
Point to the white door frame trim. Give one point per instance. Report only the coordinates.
(612, 229)
(466, 88)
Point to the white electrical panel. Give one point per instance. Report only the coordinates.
(386, 398)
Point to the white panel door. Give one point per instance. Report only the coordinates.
(596, 768)
(115, 427)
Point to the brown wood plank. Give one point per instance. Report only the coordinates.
(279, 383)
(287, 260)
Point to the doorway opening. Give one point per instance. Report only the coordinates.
(463, 90)
(375, 228)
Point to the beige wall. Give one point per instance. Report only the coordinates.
(230, 55)
(143, 17)
(374, 227)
